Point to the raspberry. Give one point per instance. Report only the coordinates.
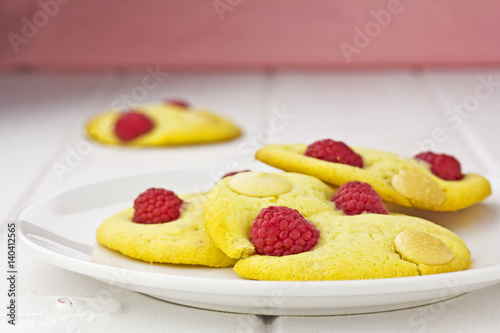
(444, 166)
(233, 173)
(334, 151)
(156, 205)
(354, 198)
(178, 102)
(132, 124)
(280, 231)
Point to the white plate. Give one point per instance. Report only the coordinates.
(61, 230)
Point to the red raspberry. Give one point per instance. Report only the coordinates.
(444, 166)
(233, 173)
(334, 151)
(156, 205)
(132, 124)
(280, 231)
(354, 198)
(178, 102)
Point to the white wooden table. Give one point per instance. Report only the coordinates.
(41, 122)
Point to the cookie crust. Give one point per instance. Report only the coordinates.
(379, 170)
(183, 241)
(173, 125)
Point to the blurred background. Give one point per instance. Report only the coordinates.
(193, 35)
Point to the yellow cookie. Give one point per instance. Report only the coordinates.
(399, 180)
(183, 241)
(232, 205)
(364, 246)
(172, 125)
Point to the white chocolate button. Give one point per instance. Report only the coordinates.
(418, 186)
(422, 248)
(259, 184)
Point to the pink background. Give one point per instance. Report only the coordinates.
(245, 34)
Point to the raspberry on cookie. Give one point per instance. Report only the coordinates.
(131, 125)
(281, 231)
(172, 122)
(233, 173)
(163, 228)
(355, 198)
(428, 181)
(157, 205)
(444, 166)
(242, 197)
(334, 151)
(178, 102)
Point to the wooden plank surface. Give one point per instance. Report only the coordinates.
(42, 117)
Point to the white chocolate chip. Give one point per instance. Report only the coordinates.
(418, 187)
(422, 248)
(259, 184)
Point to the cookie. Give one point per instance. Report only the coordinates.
(183, 241)
(365, 246)
(240, 198)
(170, 124)
(403, 181)
(362, 247)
